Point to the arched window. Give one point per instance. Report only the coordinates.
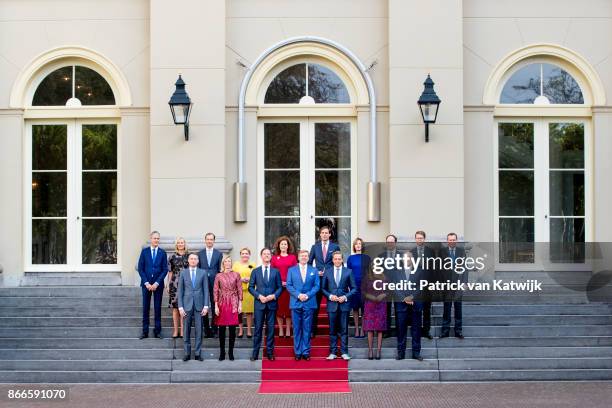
(541, 84)
(307, 83)
(73, 85)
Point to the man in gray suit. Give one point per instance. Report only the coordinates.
(193, 297)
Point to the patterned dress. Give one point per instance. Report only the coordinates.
(176, 264)
(283, 263)
(374, 312)
(245, 272)
(227, 293)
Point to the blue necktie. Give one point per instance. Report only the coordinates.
(193, 276)
(154, 254)
(266, 274)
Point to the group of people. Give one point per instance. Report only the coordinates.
(211, 291)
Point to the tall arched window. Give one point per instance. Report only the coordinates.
(72, 204)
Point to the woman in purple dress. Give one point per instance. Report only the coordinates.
(227, 293)
(374, 312)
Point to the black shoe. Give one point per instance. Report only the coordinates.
(208, 335)
(306, 357)
(241, 336)
(253, 358)
(459, 336)
(378, 353)
(370, 355)
(271, 357)
(176, 337)
(144, 336)
(400, 355)
(298, 358)
(158, 336)
(230, 355)
(186, 357)
(417, 357)
(249, 336)
(199, 358)
(428, 336)
(222, 357)
(386, 335)
(442, 336)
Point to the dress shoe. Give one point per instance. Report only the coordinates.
(144, 336)
(428, 336)
(400, 355)
(230, 355)
(442, 336)
(158, 336)
(221, 357)
(386, 335)
(271, 357)
(186, 358)
(199, 358)
(298, 358)
(459, 336)
(417, 357)
(253, 358)
(306, 357)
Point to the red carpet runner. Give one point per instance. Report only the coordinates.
(287, 376)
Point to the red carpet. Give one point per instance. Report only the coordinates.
(287, 376)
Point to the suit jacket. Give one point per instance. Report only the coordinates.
(152, 271)
(190, 297)
(316, 254)
(215, 263)
(396, 275)
(450, 274)
(310, 287)
(258, 286)
(426, 272)
(346, 287)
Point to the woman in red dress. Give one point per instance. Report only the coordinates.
(283, 259)
(227, 294)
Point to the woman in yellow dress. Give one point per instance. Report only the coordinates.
(244, 267)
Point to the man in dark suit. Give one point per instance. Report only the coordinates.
(193, 302)
(152, 268)
(210, 261)
(425, 270)
(390, 252)
(321, 254)
(338, 286)
(265, 285)
(450, 255)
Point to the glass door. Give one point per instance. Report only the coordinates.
(71, 200)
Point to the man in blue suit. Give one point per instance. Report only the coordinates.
(152, 268)
(338, 286)
(210, 261)
(321, 254)
(265, 285)
(303, 286)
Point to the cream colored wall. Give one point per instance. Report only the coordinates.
(583, 27)
(426, 179)
(117, 29)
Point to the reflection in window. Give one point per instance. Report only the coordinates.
(313, 80)
(77, 84)
(541, 84)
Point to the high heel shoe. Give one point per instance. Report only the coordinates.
(370, 355)
(231, 355)
(222, 356)
(378, 355)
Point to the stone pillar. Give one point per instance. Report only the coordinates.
(188, 178)
(426, 179)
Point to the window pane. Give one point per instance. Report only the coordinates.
(49, 147)
(55, 89)
(332, 145)
(566, 192)
(287, 87)
(100, 194)
(515, 145)
(523, 86)
(48, 241)
(516, 240)
(516, 193)
(99, 147)
(567, 240)
(91, 88)
(560, 86)
(340, 232)
(49, 194)
(333, 192)
(324, 86)
(275, 227)
(566, 145)
(99, 241)
(282, 193)
(282, 145)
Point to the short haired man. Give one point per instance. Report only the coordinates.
(452, 252)
(152, 268)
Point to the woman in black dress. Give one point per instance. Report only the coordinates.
(176, 263)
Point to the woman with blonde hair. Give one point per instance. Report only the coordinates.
(227, 294)
(177, 262)
(244, 267)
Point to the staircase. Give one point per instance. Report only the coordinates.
(90, 334)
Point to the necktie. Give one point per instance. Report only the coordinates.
(266, 274)
(337, 276)
(324, 251)
(208, 256)
(193, 276)
(154, 254)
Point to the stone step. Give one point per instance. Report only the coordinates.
(212, 376)
(86, 354)
(526, 375)
(406, 375)
(513, 352)
(89, 292)
(526, 363)
(149, 377)
(86, 365)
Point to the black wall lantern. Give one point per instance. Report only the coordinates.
(180, 106)
(429, 103)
